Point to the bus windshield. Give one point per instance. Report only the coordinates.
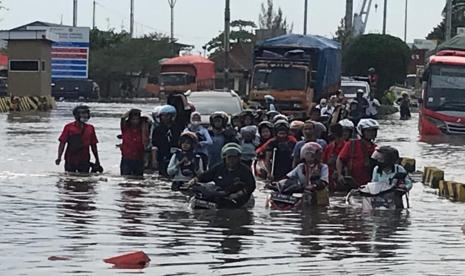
(279, 79)
(446, 89)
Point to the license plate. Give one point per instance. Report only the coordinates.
(288, 199)
(202, 204)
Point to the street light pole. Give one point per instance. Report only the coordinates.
(93, 15)
(131, 24)
(384, 17)
(227, 19)
(75, 5)
(406, 19)
(172, 4)
(305, 16)
(449, 20)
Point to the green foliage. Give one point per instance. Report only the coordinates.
(115, 56)
(270, 19)
(242, 31)
(389, 55)
(458, 20)
(342, 36)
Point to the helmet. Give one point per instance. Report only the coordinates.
(219, 114)
(188, 135)
(135, 113)
(319, 129)
(248, 112)
(296, 125)
(271, 114)
(231, 149)
(80, 108)
(280, 117)
(311, 148)
(168, 110)
(195, 113)
(347, 124)
(281, 125)
(156, 113)
(386, 155)
(252, 130)
(365, 124)
(265, 124)
(236, 116)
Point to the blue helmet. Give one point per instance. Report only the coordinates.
(167, 109)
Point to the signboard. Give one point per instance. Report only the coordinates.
(70, 51)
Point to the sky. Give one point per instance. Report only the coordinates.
(197, 21)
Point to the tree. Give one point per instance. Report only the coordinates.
(272, 20)
(389, 55)
(458, 20)
(115, 57)
(342, 35)
(242, 31)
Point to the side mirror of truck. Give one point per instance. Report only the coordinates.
(313, 79)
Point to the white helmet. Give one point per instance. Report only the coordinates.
(346, 124)
(367, 124)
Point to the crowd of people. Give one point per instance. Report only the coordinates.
(333, 150)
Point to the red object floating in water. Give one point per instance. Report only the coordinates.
(58, 258)
(132, 260)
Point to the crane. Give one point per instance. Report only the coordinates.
(361, 19)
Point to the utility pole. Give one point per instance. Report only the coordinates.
(406, 19)
(305, 17)
(227, 19)
(172, 4)
(449, 20)
(349, 16)
(93, 15)
(384, 17)
(131, 24)
(75, 5)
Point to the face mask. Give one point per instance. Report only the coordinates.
(84, 120)
(195, 124)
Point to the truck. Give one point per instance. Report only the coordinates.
(297, 70)
(442, 102)
(184, 73)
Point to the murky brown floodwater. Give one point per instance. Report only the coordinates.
(45, 213)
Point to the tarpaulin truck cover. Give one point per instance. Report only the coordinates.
(325, 54)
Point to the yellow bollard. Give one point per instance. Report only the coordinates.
(409, 164)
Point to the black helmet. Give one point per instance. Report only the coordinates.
(281, 125)
(386, 155)
(271, 114)
(80, 108)
(219, 114)
(248, 112)
(135, 113)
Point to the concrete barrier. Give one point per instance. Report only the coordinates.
(432, 176)
(409, 164)
(28, 103)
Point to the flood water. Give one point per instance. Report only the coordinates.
(45, 213)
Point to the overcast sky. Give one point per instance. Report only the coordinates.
(197, 21)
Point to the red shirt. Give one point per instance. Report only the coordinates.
(88, 138)
(330, 156)
(356, 156)
(133, 145)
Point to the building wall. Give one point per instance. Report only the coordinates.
(30, 83)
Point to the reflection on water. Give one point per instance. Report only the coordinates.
(45, 213)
